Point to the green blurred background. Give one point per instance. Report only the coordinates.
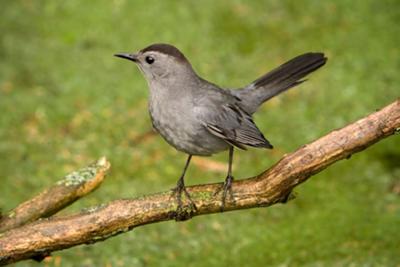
(65, 101)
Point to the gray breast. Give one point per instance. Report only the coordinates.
(178, 124)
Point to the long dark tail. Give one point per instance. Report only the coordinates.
(279, 80)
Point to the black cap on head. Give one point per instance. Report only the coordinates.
(166, 49)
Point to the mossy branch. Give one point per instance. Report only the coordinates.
(270, 187)
(66, 191)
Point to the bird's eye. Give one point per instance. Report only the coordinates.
(149, 59)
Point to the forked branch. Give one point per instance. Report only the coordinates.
(270, 187)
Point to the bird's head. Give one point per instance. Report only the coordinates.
(161, 63)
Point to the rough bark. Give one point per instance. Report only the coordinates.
(270, 187)
(66, 191)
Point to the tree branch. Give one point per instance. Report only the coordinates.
(66, 191)
(270, 187)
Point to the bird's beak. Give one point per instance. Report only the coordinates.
(132, 57)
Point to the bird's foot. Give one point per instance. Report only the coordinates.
(227, 187)
(183, 212)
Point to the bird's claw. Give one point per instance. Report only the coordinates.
(183, 212)
(225, 188)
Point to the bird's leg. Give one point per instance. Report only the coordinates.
(228, 181)
(181, 214)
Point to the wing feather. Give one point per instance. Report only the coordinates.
(237, 128)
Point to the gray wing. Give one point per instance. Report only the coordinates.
(236, 127)
(220, 112)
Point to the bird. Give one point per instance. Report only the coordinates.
(200, 118)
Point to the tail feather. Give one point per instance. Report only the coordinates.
(279, 80)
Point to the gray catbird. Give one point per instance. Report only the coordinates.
(198, 117)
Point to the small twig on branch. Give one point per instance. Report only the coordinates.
(268, 188)
(66, 191)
